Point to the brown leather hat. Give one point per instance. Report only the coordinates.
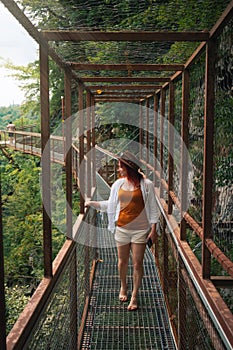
(129, 159)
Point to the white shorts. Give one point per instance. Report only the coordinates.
(124, 236)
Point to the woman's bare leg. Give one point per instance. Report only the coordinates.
(123, 260)
(138, 251)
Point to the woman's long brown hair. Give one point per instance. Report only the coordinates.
(132, 175)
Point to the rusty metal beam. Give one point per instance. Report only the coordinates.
(208, 155)
(74, 35)
(36, 35)
(88, 145)
(184, 151)
(226, 16)
(68, 153)
(124, 87)
(171, 118)
(117, 99)
(120, 92)
(122, 67)
(212, 298)
(23, 327)
(46, 160)
(124, 79)
(81, 146)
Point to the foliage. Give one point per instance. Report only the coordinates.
(7, 114)
(16, 299)
(22, 223)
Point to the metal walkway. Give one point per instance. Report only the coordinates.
(110, 325)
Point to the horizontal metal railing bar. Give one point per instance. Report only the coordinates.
(20, 332)
(218, 310)
(225, 262)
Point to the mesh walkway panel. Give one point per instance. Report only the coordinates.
(110, 325)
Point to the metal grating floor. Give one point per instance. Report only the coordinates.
(109, 325)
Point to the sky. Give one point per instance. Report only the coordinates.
(17, 46)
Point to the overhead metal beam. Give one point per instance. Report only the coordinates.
(118, 93)
(35, 34)
(124, 87)
(124, 79)
(127, 67)
(74, 35)
(117, 99)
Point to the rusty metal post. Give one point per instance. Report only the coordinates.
(182, 308)
(81, 148)
(45, 160)
(93, 142)
(2, 288)
(208, 155)
(73, 301)
(140, 128)
(147, 132)
(155, 146)
(68, 154)
(171, 144)
(165, 258)
(184, 151)
(63, 120)
(162, 116)
(88, 111)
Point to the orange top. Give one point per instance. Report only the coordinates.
(132, 213)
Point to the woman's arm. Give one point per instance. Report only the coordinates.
(93, 204)
(99, 205)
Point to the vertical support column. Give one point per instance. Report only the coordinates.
(171, 144)
(68, 154)
(162, 115)
(88, 111)
(184, 151)
(81, 148)
(182, 308)
(140, 128)
(155, 146)
(73, 301)
(208, 155)
(2, 288)
(147, 132)
(45, 160)
(93, 153)
(165, 258)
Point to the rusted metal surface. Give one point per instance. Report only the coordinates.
(25, 323)
(220, 311)
(122, 67)
(81, 146)
(215, 251)
(171, 143)
(184, 149)
(87, 303)
(45, 161)
(69, 35)
(207, 206)
(125, 79)
(124, 87)
(68, 154)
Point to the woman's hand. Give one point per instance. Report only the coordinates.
(92, 204)
(153, 233)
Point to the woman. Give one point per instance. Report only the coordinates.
(132, 214)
